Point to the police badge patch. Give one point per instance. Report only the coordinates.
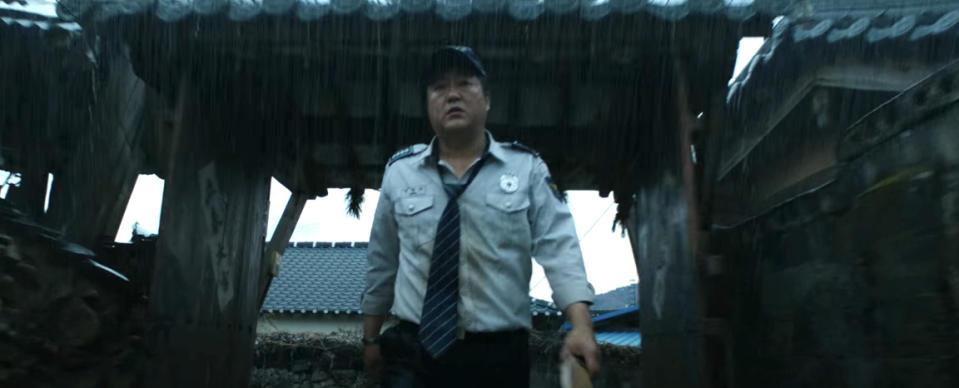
(555, 189)
(509, 182)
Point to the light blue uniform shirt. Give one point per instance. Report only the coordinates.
(509, 214)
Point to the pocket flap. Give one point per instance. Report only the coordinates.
(507, 202)
(413, 205)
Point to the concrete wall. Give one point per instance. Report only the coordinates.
(309, 323)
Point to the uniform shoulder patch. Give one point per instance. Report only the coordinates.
(554, 188)
(522, 147)
(406, 152)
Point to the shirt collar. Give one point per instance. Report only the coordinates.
(493, 148)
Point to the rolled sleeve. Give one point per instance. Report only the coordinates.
(382, 257)
(555, 245)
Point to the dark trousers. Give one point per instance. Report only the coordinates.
(498, 360)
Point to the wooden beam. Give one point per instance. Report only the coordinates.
(281, 238)
(90, 191)
(284, 229)
(844, 74)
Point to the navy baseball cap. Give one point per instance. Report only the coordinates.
(454, 57)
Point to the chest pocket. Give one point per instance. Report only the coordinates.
(415, 225)
(413, 205)
(507, 215)
(507, 203)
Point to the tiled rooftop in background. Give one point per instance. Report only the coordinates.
(328, 278)
(623, 338)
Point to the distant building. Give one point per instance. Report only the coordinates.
(317, 290)
(616, 317)
(319, 286)
(620, 298)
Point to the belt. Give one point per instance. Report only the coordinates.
(483, 336)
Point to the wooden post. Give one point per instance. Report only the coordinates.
(207, 274)
(637, 241)
(663, 235)
(281, 237)
(669, 296)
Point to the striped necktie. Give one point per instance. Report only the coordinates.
(438, 320)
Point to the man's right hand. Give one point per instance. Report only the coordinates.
(372, 357)
(373, 361)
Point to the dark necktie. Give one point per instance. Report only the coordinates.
(438, 320)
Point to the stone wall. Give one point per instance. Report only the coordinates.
(335, 360)
(620, 364)
(308, 323)
(855, 283)
(308, 361)
(65, 321)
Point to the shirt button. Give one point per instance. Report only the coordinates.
(509, 205)
(411, 208)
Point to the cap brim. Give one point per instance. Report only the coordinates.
(449, 58)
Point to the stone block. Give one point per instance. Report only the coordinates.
(319, 375)
(344, 375)
(300, 366)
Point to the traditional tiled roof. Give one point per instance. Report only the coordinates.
(619, 298)
(616, 314)
(319, 278)
(620, 338)
(328, 278)
(799, 48)
(541, 307)
(793, 38)
(20, 16)
(377, 10)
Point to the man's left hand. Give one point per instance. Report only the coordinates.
(581, 343)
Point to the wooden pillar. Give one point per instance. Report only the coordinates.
(669, 296)
(714, 280)
(663, 234)
(208, 267)
(637, 243)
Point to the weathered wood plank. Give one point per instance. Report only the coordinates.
(90, 193)
(669, 294)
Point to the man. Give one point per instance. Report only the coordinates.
(455, 229)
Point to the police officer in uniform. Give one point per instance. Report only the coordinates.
(457, 224)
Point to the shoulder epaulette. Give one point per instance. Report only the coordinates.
(406, 152)
(521, 147)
